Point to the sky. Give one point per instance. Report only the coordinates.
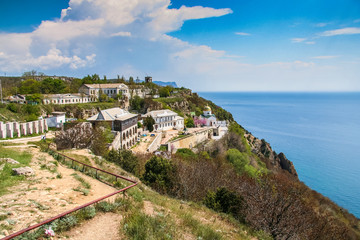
(205, 45)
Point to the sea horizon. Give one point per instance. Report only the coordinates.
(316, 131)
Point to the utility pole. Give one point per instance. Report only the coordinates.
(1, 92)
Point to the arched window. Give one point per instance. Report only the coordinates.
(124, 137)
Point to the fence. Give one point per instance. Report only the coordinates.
(97, 172)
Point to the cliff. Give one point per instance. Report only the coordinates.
(273, 160)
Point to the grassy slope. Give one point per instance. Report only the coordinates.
(170, 218)
(7, 179)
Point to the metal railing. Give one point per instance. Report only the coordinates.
(79, 207)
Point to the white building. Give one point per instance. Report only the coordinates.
(110, 89)
(166, 119)
(56, 120)
(68, 98)
(122, 122)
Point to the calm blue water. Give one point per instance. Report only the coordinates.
(318, 132)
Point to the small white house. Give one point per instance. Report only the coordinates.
(56, 120)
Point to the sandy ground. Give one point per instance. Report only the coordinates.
(102, 227)
(44, 195)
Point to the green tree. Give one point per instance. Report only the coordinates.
(189, 123)
(49, 85)
(159, 174)
(75, 84)
(137, 103)
(36, 97)
(149, 123)
(103, 97)
(164, 92)
(30, 86)
(131, 80)
(99, 144)
(225, 201)
(125, 159)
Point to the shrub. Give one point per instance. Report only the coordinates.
(125, 159)
(159, 174)
(86, 213)
(189, 123)
(107, 207)
(185, 153)
(64, 224)
(225, 201)
(149, 123)
(12, 107)
(240, 161)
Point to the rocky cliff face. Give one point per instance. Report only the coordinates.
(274, 161)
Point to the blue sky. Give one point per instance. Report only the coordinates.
(206, 45)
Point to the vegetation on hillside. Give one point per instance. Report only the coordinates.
(228, 178)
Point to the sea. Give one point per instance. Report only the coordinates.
(318, 132)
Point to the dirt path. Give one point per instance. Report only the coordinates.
(48, 193)
(28, 139)
(101, 227)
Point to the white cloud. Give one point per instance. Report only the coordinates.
(80, 33)
(242, 34)
(310, 42)
(342, 31)
(166, 20)
(298, 40)
(121, 34)
(325, 57)
(59, 31)
(321, 24)
(71, 44)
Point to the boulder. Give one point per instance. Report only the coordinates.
(9, 160)
(26, 171)
(286, 164)
(5, 232)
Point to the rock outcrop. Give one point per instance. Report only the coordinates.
(264, 150)
(25, 171)
(8, 160)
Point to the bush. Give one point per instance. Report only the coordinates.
(225, 201)
(125, 159)
(149, 123)
(185, 153)
(31, 109)
(159, 174)
(240, 161)
(189, 123)
(86, 213)
(64, 223)
(13, 107)
(107, 207)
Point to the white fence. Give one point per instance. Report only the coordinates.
(16, 129)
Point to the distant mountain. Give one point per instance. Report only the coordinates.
(160, 83)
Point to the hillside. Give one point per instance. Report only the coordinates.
(142, 213)
(238, 178)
